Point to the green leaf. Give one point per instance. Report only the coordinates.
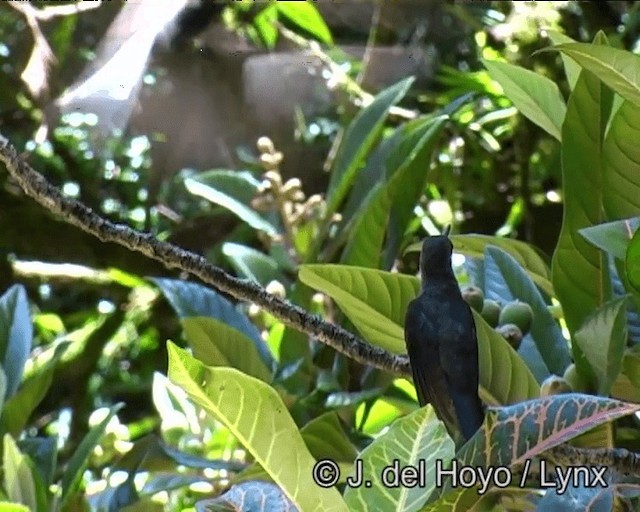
(232, 190)
(526, 256)
(571, 69)
(632, 262)
(191, 299)
(80, 458)
(418, 440)
(612, 237)
(254, 496)
(252, 264)
(621, 159)
(579, 270)
(534, 95)
(326, 439)
(376, 303)
(13, 507)
(217, 344)
(18, 409)
(307, 17)
(602, 339)
(265, 25)
(504, 271)
(504, 377)
(358, 140)
(257, 417)
(407, 168)
(618, 69)
(16, 333)
(19, 483)
(367, 235)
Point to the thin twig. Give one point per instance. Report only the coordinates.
(76, 213)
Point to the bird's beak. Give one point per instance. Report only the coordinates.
(446, 230)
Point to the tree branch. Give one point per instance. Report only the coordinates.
(76, 213)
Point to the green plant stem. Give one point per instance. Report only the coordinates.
(172, 256)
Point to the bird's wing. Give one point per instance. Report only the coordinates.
(459, 362)
(424, 354)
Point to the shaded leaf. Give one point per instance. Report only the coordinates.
(632, 262)
(191, 299)
(216, 344)
(408, 177)
(359, 138)
(257, 417)
(252, 264)
(232, 190)
(612, 237)
(326, 439)
(418, 440)
(16, 333)
(602, 339)
(580, 271)
(504, 272)
(534, 95)
(18, 409)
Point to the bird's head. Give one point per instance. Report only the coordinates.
(435, 258)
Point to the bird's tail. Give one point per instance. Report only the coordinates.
(469, 412)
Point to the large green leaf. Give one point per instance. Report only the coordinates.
(418, 440)
(619, 69)
(602, 339)
(376, 302)
(217, 344)
(16, 333)
(621, 159)
(632, 261)
(367, 235)
(503, 271)
(255, 414)
(579, 270)
(358, 140)
(534, 95)
(232, 190)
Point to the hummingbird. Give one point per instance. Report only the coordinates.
(440, 335)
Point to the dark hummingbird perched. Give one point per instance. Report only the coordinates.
(441, 341)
